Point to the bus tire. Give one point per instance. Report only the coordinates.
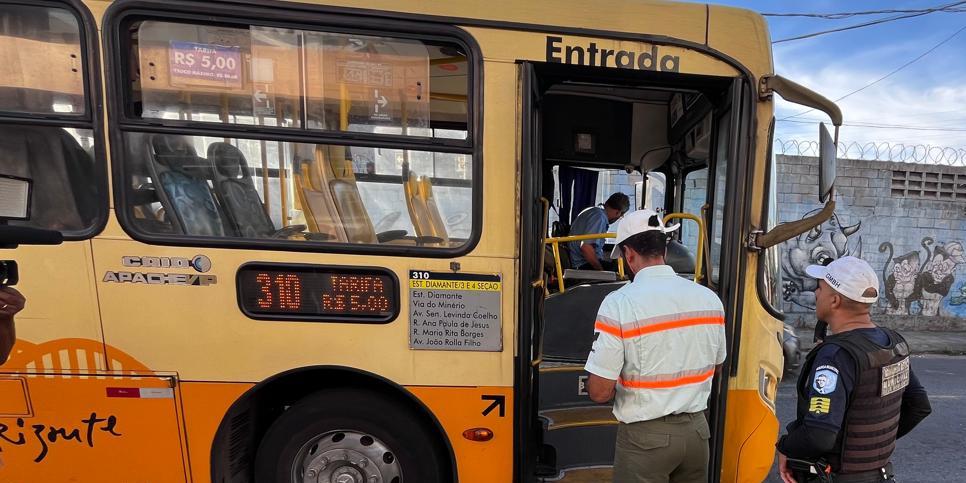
(351, 432)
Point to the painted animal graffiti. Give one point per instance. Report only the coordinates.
(901, 288)
(818, 246)
(959, 299)
(910, 284)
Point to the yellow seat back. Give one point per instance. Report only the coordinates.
(423, 209)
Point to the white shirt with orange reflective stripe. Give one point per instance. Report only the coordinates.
(660, 337)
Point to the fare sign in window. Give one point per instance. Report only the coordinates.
(190, 62)
(321, 293)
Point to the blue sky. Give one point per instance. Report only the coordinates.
(929, 93)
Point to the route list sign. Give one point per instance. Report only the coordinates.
(455, 311)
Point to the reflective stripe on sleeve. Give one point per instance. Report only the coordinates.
(608, 325)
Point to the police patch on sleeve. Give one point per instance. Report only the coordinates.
(819, 405)
(826, 378)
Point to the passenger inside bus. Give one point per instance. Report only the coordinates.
(589, 254)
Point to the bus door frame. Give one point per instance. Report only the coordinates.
(738, 105)
(530, 330)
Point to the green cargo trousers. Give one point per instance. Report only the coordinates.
(670, 449)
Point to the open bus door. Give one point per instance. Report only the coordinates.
(730, 141)
(565, 436)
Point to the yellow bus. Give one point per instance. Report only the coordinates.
(305, 241)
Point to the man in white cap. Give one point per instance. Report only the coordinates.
(857, 392)
(659, 341)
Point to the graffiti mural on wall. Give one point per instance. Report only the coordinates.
(920, 282)
(917, 287)
(819, 246)
(956, 304)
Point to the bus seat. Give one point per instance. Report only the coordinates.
(337, 175)
(569, 317)
(317, 205)
(64, 188)
(235, 190)
(680, 258)
(184, 192)
(588, 275)
(352, 212)
(423, 210)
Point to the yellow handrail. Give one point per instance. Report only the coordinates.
(555, 246)
(701, 235)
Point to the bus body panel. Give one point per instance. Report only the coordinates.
(63, 300)
(456, 408)
(751, 429)
(205, 405)
(187, 327)
(511, 46)
(673, 20)
(462, 408)
(742, 35)
(84, 427)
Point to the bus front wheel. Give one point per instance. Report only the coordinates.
(349, 436)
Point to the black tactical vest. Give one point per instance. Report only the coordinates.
(868, 435)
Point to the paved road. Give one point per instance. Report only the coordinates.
(934, 451)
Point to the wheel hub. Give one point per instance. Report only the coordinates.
(346, 457)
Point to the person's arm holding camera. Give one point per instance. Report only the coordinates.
(11, 302)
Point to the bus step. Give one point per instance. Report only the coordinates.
(582, 437)
(576, 417)
(593, 474)
(563, 385)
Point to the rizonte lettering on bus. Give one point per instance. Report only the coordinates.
(46, 432)
(593, 56)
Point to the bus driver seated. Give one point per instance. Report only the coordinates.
(589, 254)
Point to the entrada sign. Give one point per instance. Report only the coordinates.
(591, 55)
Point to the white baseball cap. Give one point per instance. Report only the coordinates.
(849, 276)
(636, 222)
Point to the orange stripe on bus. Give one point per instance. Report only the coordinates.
(675, 324)
(610, 329)
(680, 381)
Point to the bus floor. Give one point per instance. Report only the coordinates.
(581, 431)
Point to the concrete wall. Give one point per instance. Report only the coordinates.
(907, 220)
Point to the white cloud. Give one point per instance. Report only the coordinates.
(910, 98)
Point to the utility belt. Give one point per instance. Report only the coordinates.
(821, 472)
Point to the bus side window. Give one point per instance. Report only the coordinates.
(59, 160)
(304, 82)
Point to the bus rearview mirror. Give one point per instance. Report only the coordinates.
(826, 163)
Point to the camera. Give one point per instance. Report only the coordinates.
(9, 275)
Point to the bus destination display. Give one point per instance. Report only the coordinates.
(308, 292)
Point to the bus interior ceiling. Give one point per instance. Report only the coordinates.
(618, 124)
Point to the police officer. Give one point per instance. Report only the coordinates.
(857, 392)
